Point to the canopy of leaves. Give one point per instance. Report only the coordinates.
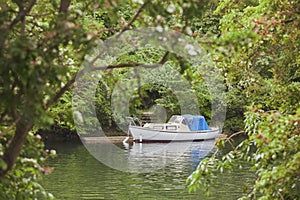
(254, 44)
(42, 45)
(257, 51)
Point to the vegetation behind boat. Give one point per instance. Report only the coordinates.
(43, 44)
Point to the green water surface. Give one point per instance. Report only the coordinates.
(79, 175)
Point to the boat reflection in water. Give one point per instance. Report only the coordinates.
(149, 157)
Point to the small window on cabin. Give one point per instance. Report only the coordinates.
(172, 119)
(171, 127)
(177, 120)
(188, 121)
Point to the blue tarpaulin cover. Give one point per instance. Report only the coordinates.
(196, 123)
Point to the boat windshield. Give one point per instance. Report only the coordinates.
(175, 119)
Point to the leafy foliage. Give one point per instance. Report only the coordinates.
(254, 44)
(23, 181)
(40, 45)
(259, 64)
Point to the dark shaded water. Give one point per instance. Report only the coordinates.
(78, 175)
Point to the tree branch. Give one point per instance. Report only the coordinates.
(60, 92)
(164, 59)
(22, 13)
(12, 152)
(123, 65)
(116, 66)
(127, 27)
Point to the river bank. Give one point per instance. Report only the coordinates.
(61, 134)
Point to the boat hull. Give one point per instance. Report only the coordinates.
(143, 134)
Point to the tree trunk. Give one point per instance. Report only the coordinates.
(64, 6)
(12, 152)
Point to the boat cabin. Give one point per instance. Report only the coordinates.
(181, 123)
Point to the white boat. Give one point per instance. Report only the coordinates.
(178, 128)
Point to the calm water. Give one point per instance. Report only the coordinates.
(79, 175)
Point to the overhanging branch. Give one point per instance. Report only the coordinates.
(127, 27)
(71, 81)
(116, 66)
